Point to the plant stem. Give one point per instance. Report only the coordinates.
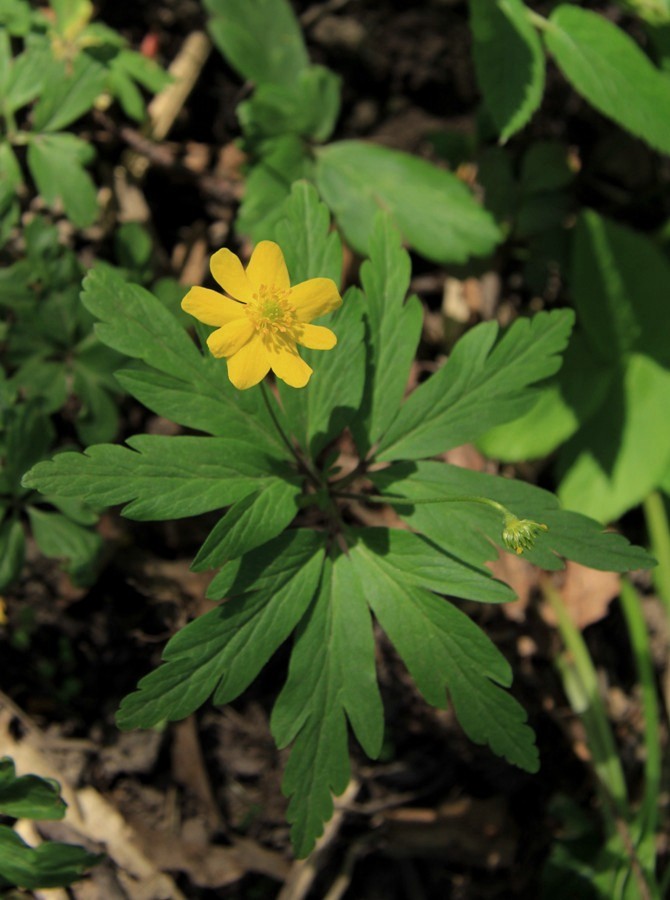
(538, 21)
(658, 530)
(303, 464)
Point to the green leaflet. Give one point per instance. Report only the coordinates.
(445, 651)
(162, 477)
(250, 522)
(331, 678)
(434, 211)
(392, 334)
(608, 68)
(261, 39)
(410, 558)
(311, 249)
(67, 95)
(223, 651)
(509, 61)
(484, 383)
(187, 387)
(56, 162)
(467, 529)
(28, 796)
(58, 536)
(49, 865)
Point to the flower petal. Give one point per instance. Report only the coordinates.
(287, 365)
(231, 338)
(267, 267)
(249, 365)
(229, 273)
(315, 297)
(316, 337)
(211, 307)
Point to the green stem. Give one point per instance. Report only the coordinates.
(405, 501)
(659, 536)
(303, 465)
(538, 21)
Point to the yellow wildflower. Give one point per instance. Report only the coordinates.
(263, 319)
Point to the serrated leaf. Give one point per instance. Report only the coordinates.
(393, 332)
(484, 383)
(28, 796)
(608, 68)
(223, 651)
(509, 61)
(331, 678)
(261, 39)
(435, 212)
(56, 162)
(49, 865)
(189, 388)
(446, 652)
(311, 249)
(250, 522)
(68, 93)
(162, 477)
(468, 529)
(59, 537)
(412, 558)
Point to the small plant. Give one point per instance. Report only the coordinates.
(293, 555)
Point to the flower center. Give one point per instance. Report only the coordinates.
(271, 313)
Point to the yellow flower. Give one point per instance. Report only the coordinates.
(261, 326)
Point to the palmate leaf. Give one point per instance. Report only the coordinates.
(179, 383)
(468, 529)
(223, 651)
(332, 678)
(392, 334)
(159, 477)
(442, 648)
(484, 383)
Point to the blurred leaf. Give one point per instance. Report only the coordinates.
(509, 61)
(56, 163)
(65, 95)
(434, 211)
(28, 796)
(12, 550)
(49, 865)
(261, 39)
(60, 538)
(26, 77)
(608, 68)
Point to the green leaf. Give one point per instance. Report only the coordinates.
(61, 538)
(309, 107)
(331, 678)
(446, 652)
(411, 558)
(466, 528)
(98, 418)
(188, 388)
(393, 331)
(250, 522)
(26, 77)
(607, 68)
(484, 383)
(11, 174)
(223, 651)
(12, 550)
(28, 796)
(509, 61)
(142, 69)
(49, 865)
(162, 477)
(312, 250)
(261, 39)
(29, 434)
(281, 162)
(68, 93)
(56, 163)
(434, 211)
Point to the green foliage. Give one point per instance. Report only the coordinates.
(49, 865)
(616, 433)
(509, 60)
(293, 557)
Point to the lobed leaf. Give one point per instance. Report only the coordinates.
(223, 651)
(484, 383)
